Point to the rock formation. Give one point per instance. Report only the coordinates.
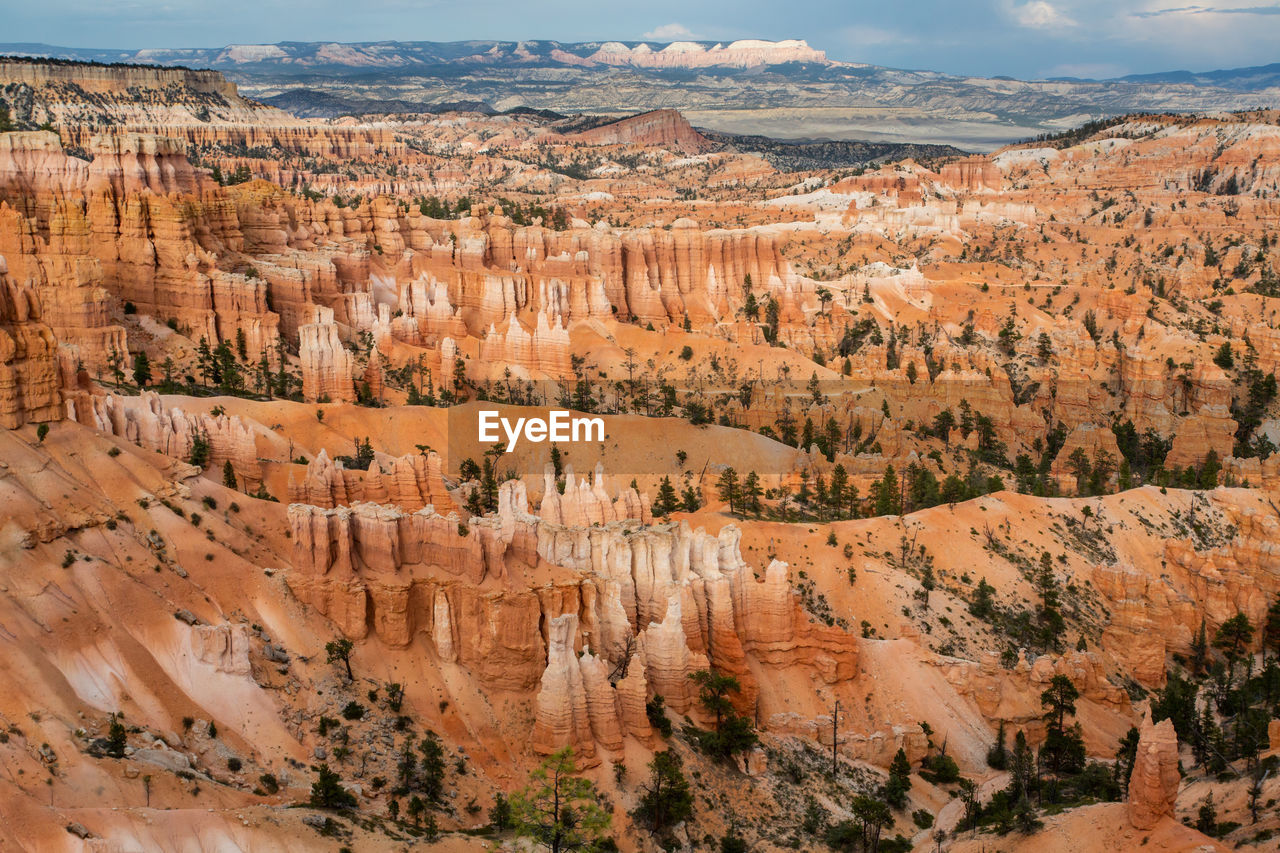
(576, 704)
(744, 53)
(146, 421)
(1153, 784)
(659, 128)
(29, 379)
(413, 482)
(327, 365)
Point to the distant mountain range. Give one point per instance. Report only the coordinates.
(1253, 79)
(399, 55)
(783, 89)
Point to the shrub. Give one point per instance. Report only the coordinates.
(655, 710)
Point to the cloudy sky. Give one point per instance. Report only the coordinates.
(1021, 38)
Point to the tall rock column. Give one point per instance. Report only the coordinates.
(326, 363)
(1153, 785)
(29, 379)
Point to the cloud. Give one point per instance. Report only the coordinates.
(860, 36)
(1040, 15)
(1208, 10)
(669, 32)
(1087, 70)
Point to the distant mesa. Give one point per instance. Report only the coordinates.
(689, 54)
(660, 128)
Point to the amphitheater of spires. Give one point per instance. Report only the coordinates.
(1044, 375)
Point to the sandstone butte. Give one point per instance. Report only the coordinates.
(1036, 333)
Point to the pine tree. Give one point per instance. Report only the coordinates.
(339, 651)
(117, 737)
(667, 500)
(1022, 768)
(729, 489)
(751, 492)
(205, 364)
(1050, 616)
(667, 799)
(837, 493)
(998, 754)
(983, 605)
(200, 449)
(327, 791)
(888, 501)
(432, 780)
(1199, 650)
(895, 789)
(1271, 628)
(1126, 755)
(559, 809)
(1233, 638)
(229, 475)
(141, 370)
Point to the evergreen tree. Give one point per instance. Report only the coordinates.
(1126, 755)
(872, 816)
(200, 448)
(558, 809)
(1271, 629)
(327, 791)
(432, 780)
(888, 502)
(1063, 748)
(998, 754)
(229, 475)
(1199, 650)
(751, 493)
(1233, 638)
(141, 370)
(732, 733)
(1022, 768)
(983, 605)
(117, 737)
(1050, 616)
(729, 489)
(838, 491)
(895, 789)
(339, 651)
(667, 500)
(667, 799)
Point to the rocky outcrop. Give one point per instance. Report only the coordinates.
(576, 705)
(659, 129)
(1097, 443)
(637, 608)
(224, 647)
(414, 481)
(1153, 784)
(146, 421)
(327, 365)
(1153, 614)
(545, 351)
(1012, 695)
(971, 174)
(75, 96)
(1211, 428)
(29, 378)
(584, 504)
